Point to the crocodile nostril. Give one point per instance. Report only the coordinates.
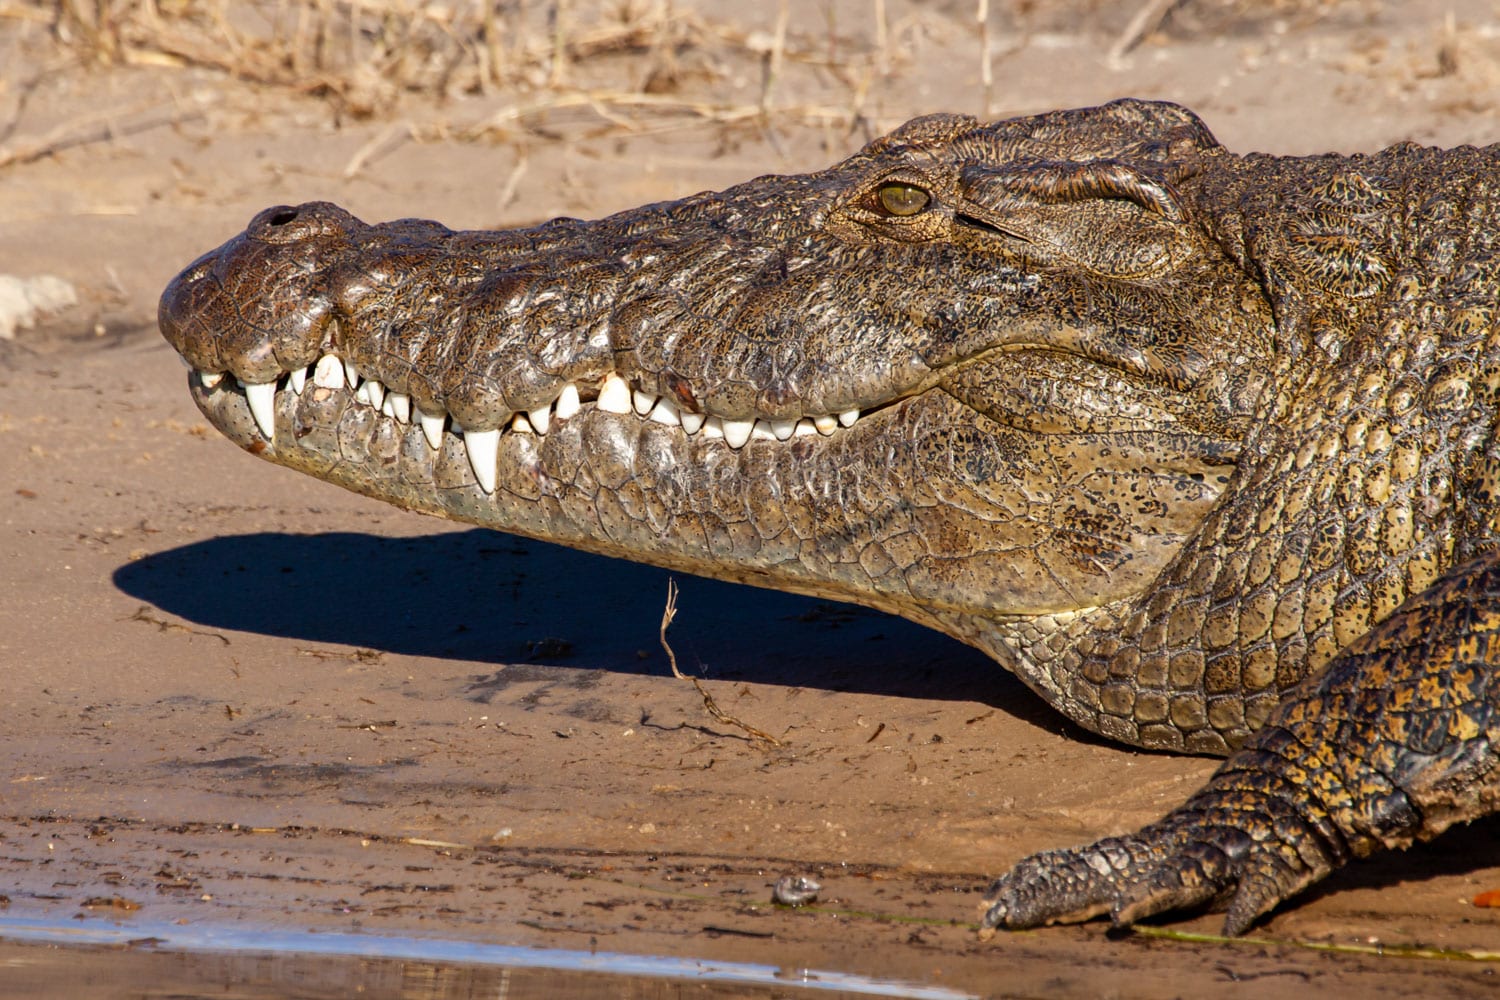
(283, 218)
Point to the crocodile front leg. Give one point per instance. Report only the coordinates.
(1393, 744)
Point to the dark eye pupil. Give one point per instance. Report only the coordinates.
(903, 199)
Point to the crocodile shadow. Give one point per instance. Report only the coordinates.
(491, 598)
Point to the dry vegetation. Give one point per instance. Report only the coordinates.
(367, 55)
(623, 57)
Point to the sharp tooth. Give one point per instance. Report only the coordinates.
(783, 429)
(362, 394)
(520, 424)
(826, 423)
(614, 395)
(377, 391)
(848, 417)
(713, 429)
(665, 412)
(540, 418)
(210, 379)
(387, 408)
(484, 449)
(737, 432)
(568, 404)
(643, 401)
(691, 422)
(432, 427)
(400, 404)
(351, 373)
(262, 399)
(298, 379)
(328, 373)
(805, 428)
(761, 431)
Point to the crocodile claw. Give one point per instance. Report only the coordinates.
(1191, 860)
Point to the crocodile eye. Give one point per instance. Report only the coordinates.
(899, 198)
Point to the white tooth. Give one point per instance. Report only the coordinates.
(826, 423)
(352, 374)
(805, 428)
(400, 404)
(540, 418)
(298, 379)
(713, 429)
(520, 424)
(362, 394)
(783, 429)
(568, 404)
(761, 431)
(210, 379)
(614, 395)
(665, 412)
(262, 398)
(691, 422)
(737, 432)
(377, 392)
(387, 408)
(643, 401)
(328, 373)
(848, 417)
(432, 427)
(484, 450)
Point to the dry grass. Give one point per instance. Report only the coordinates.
(640, 58)
(600, 66)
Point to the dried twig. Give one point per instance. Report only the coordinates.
(608, 104)
(143, 614)
(986, 57)
(388, 140)
(670, 612)
(512, 184)
(1145, 21)
(93, 129)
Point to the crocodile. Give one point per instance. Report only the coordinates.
(1199, 445)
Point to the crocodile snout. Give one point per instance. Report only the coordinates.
(255, 307)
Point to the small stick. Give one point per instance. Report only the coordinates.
(771, 71)
(390, 137)
(670, 612)
(1145, 21)
(512, 183)
(67, 136)
(986, 57)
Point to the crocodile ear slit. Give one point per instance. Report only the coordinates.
(1060, 181)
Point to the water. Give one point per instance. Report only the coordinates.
(92, 960)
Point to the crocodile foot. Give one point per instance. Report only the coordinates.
(1373, 754)
(1216, 852)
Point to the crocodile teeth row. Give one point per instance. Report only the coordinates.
(483, 446)
(615, 396)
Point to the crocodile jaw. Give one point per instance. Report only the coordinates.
(875, 513)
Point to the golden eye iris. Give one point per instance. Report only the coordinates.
(902, 199)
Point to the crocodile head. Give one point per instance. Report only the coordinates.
(972, 372)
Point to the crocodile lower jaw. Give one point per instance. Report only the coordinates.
(613, 395)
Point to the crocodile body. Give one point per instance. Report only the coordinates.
(1199, 445)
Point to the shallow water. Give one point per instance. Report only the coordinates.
(97, 959)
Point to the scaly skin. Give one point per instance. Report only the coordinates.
(1201, 446)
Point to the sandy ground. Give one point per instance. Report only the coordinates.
(237, 697)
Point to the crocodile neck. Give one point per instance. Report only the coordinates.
(1365, 475)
